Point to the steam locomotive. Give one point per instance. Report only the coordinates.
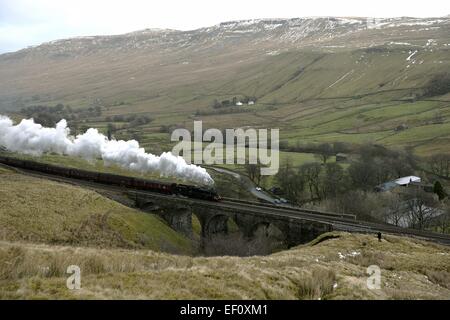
(198, 192)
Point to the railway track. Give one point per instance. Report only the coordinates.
(340, 222)
(294, 209)
(348, 222)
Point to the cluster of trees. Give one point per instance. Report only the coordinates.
(328, 186)
(48, 116)
(312, 181)
(133, 121)
(378, 165)
(254, 172)
(437, 86)
(328, 148)
(412, 208)
(439, 164)
(326, 179)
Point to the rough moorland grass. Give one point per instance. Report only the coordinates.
(4, 170)
(38, 210)
(325, 269)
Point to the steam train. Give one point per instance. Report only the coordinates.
(198, 192)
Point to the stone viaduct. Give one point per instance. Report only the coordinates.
(214, 217)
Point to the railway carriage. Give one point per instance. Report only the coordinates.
(197, 192)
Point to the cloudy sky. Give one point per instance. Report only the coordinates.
(30, 22)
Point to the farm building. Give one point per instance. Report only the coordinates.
(400, 182)
(341, 157)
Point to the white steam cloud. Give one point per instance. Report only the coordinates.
(31, 138)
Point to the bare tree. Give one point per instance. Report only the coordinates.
(365, 205)
(421, 207)
(284, 171)
(110, 129)
(254, 172)
(444, 218)
(438, 85)
(363, 174)
(440, 165)
(324, 152)
(291, 181)
(311, 175)
(393, 208)
(334, 181)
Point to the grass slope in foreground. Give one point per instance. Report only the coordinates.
(46, 226)
(334, 268)
(43, 211)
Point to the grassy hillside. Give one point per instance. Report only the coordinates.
(353, 96)
(332, 267)
(42, 211)
(317, 80)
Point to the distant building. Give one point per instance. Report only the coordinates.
(404, 181)
(427, 187)
(341, 157)
(401, 127)
(400, 182)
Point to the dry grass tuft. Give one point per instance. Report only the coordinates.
(440, 277)
(318, 285)
(306, 272)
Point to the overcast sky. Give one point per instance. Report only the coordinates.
(30, 22)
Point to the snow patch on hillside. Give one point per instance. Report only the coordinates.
(411, 55)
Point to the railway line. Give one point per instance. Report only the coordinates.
(339, 222)
(346, 222)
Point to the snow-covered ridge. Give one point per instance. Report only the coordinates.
(363, 21)
(283, 31)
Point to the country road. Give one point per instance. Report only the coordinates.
(247, 183)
